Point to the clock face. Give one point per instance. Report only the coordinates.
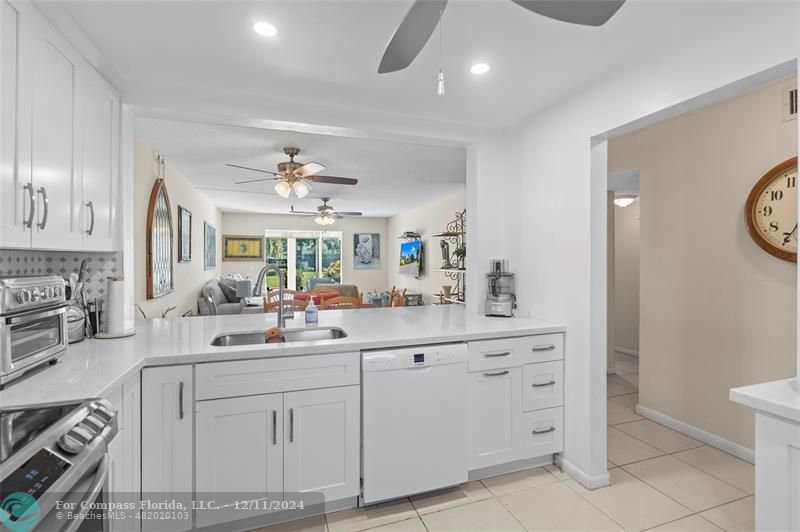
(771, 211)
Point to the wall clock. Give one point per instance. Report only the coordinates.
(771, 211)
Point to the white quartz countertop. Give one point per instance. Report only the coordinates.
(779, 398)
(93, 368)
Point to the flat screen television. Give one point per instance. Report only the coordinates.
(411, 258)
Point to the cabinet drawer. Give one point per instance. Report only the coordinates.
(508, 352)
(542, 432)
(542, 385)
(272, 375)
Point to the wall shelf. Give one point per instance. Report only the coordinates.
(450, 270)
(454, 235)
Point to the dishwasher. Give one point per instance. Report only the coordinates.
(414, 420)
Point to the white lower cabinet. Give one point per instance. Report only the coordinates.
(495, 398)
(167, 441)
(323, 441)
(124, 452)
(239, 445)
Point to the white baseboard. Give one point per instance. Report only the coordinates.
(626, 351)
(611, 371)
(589, 482)
(739, 451)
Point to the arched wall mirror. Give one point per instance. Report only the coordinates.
(159, 239)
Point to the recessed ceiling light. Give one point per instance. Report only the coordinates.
(479, 68)
(265, 29)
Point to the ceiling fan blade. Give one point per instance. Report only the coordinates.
(302, 213)
(585, 12)
(253, 169)
(346, 213)
(255, 180)
(309, 169)
(412, 34)
(334, 180)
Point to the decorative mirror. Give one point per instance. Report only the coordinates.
(159, 238)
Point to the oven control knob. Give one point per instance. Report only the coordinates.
(57, 291)
(23, 296)
(46, 292)
(34, 295)
(71, 442)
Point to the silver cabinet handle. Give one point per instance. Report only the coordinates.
(549, 347)
(551, 429)
(180, 400)
(32, 203)
(503, 354)
(291, 425)
(496, 373)
(274, 427)
(43, 192)
(551, 383)
(90, 205)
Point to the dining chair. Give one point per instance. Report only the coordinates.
(340, 303)
(289, 305)
(288, 295)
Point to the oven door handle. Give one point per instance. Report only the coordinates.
(91, 495)
(34, 315)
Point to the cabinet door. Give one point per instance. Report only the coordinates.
(15, 205)
(322, 442)
(54, 142)
(167, 440)
(99, 163)
(495, 408)
(239, 446)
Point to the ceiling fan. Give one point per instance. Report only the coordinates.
(325, 215)
(295, 177)
(424, 15)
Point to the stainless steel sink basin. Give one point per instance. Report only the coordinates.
(291, 335)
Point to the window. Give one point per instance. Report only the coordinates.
(303, 255)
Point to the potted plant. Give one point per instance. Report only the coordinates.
(461, 253)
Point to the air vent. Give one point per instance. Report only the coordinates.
(790, 104)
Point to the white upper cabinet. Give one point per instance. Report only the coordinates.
(59, 139)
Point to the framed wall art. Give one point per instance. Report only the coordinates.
(184, 235)
(242, 248)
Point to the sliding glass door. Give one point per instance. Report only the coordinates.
(303, 255)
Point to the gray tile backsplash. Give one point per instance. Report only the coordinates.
(18, 263)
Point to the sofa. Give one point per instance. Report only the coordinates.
(219, 297)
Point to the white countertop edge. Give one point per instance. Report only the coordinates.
(780, 398)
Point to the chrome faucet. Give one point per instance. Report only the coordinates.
(261, 280)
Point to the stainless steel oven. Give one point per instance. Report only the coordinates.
(33, 324)
(54, 466)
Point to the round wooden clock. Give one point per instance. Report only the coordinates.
(771, 211)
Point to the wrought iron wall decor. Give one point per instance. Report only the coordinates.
(160, 278)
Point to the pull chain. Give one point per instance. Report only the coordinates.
(440, 80)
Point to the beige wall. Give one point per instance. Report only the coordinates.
(256, 224)
(610, 285)
(425, 220)
(716, 311)
(626, 277)
(190, 276)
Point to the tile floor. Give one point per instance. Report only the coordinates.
(661, 480)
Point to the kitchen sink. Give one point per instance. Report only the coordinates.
(291, 335)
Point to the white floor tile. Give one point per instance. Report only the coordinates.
(629, 399)
(631, 380)
(617, 413)
(450, 498)
(659, 436)
(479, 516)
(520, 480)
(722, 465)
(686, 484)
(624, 449)
(409, 525)
(693, 523)
(738, 516)
(556, 507)
(632, 503)
(356, 519)
(556, 472)
(309, 524)
(613, 388)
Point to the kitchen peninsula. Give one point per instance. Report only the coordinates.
(200, 417)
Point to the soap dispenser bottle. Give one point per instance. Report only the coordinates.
(312, 313)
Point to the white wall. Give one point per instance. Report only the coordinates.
(716, 310)
(610, 279)
(425, 220)
(626, 274)
(190, 276)
(256, 224)
(556, 200)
